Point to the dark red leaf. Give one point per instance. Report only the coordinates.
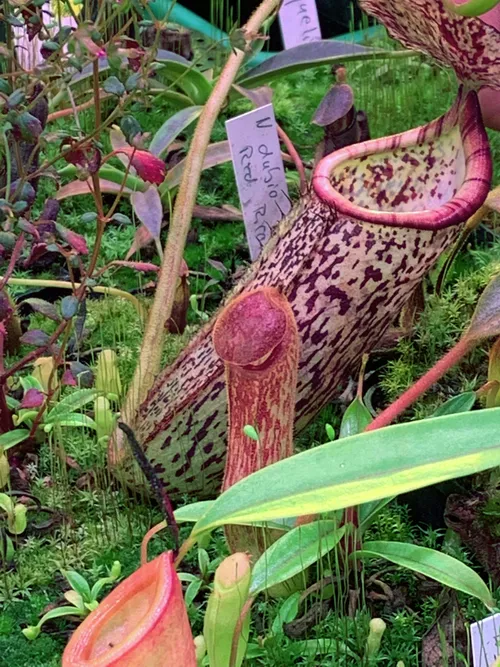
(76, 241)
(68, 378)
(149, 167)
(33, 398)
(137, 266)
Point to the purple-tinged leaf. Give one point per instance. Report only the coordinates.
(76, 188)
(37, 250)
(76, 241)
(24, 193)
(68, 379)
(142, 238)
(50, 210)
(28, 227)
(25, 126)
(216, 154)
(171, 129)
(302, 57)
(33, 398)
(259, 97)
(469, 45)
(486, 318)
(137, 266)
(35, 337)
(218, 266)
(335, 105)
(69, 307)
(148, 208)
(87, 157)
(45, 308)
(82, 373)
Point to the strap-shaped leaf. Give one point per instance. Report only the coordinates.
(362, 468)
(434, 564)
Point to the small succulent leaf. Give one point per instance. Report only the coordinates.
(148, 208)
(33, 398)
(293, 553)
(486, 318)
(433, 564)
(121, 219)
(171, 129)
(74, 401)
(35, 337)
(461, 403)
(114, 86)
(192, 591)
(69, 307)
(78, 584)
(45, 308)
(76, 241)
(13, 438)
(356, 418)
(87, 218)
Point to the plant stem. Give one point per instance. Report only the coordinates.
(150, 357)
(412, 394)
(294, 154)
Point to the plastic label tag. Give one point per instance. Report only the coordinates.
(260, 174)
(299, 22)
(485, 637)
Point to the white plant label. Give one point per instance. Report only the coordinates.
(485, 637)
(260, 174)
(299, 22)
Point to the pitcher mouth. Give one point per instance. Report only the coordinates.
(462, 183)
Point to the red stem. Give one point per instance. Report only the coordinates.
(421, 386)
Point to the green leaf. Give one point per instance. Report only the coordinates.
(78, 584)
(13, 438)
(72, 419)
(113, 86)
(69, 307)
(171, 129)
(367, 512)
(293, 553)
(305, 56)
(74, 401)
(6, 503)
(356, 418)
(192, 591)
(186, 77)
(461, 403)
(433, 564)
(18, 526)
(193, 512)
(334, 476)
(286, 613)
(32, 631)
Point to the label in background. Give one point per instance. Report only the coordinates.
(485, 638)
(299, 22)
(260, 174)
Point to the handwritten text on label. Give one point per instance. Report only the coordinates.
(260, 175)
(299, 22)
(485, 637)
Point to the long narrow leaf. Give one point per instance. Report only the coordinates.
(71, 403)
(433, 564)
(305, 56)
(293, 553)
(13, 438)
(171, 129)
(362, 468)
